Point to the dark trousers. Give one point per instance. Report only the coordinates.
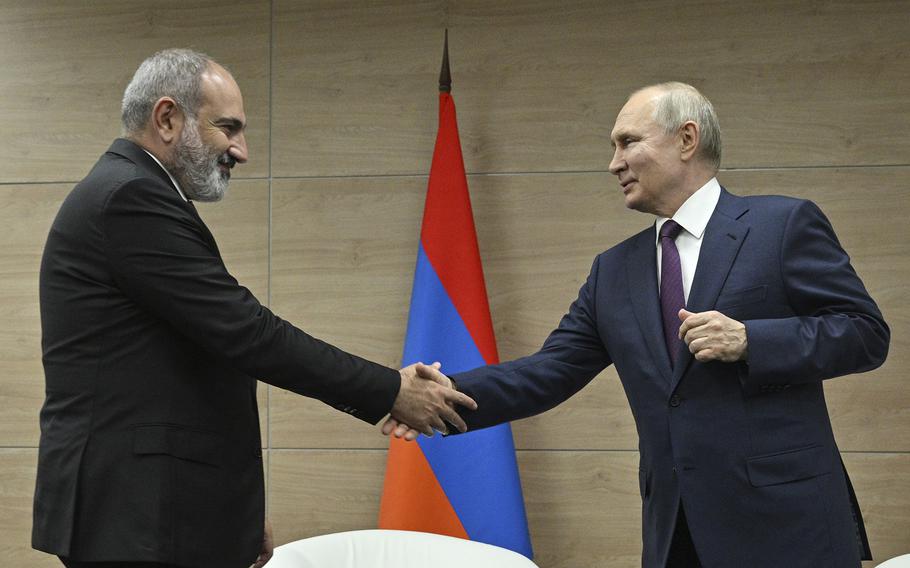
(682, 550)
(78, 564)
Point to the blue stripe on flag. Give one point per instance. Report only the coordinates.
(472, 469)
(435, 330)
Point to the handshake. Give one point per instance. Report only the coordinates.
(425, 402)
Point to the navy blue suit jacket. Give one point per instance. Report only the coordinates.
(747, 447)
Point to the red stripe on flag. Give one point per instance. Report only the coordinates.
(448, 234)
(412, 499)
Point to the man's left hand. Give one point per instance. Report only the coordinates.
(712, 336)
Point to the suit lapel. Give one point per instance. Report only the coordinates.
(723, 239)
(641, 270)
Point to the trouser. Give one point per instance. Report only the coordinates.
(682, 550)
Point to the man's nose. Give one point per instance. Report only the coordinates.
(617, 164)
(238, 149)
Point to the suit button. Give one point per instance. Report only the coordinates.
(675, 400)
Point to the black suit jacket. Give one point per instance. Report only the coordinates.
(150, 445)
(748, 449)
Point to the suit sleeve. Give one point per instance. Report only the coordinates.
(162, 260)
(837, 329)
(570, 358)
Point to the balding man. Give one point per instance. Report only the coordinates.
(150, 446)
(723, 319)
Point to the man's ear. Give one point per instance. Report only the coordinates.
(167, 120)
(689, 137)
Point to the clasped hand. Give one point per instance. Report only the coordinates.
(425, 402)
(712, 336)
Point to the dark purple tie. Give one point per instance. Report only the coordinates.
(671, 287)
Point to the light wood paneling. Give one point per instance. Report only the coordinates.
(17, 488)
(882, 485)
(355, 86)
(868, 208)
(794, 83)
(538, 83)
(65, 65)
(315, 492)
(584, 508)
(26, 215)
(343, 259)
(240, 225)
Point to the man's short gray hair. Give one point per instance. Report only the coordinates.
(174, 73)
(679, 103)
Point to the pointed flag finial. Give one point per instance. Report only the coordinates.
(445, 78)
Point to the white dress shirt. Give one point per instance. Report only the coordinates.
(173, 181)
(693, 217)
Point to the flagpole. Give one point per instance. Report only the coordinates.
(445, 77)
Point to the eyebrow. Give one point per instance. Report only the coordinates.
(233, 123)
(618, 136)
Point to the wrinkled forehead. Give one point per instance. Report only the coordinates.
(220, 93)
(636, 115)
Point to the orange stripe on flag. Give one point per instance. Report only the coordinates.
(412, 498)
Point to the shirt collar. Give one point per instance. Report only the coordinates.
(173, 181)
(694, 214)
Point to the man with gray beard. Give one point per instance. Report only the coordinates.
(150, 451)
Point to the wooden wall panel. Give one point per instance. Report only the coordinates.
(343, 259)
(25, 215)
(538, 83)
(315, 492)
(65, 66)
(355, 86)
(794, 83)
(17, 488)
(584, 508)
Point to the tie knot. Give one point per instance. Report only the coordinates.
(670, 229)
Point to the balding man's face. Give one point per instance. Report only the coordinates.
(210, 145)
(222, 122)
(645, 159)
